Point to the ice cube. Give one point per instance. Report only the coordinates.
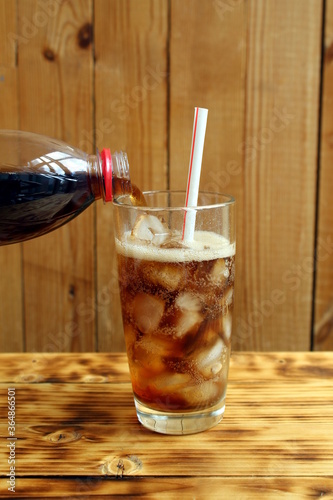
(159, 238)
(190, 318)
(188, 322)
(219, 274)
(158, 345)
(228, 296)
(188, 301)
(226, 301)
(172, 382)
(149, 358)
(202, 394)
(216, 368)
(149, 228)
(166, 275)
(170, 276)
(227, 326)
(147, 312)
(209, 357)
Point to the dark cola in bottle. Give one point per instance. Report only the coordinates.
(45, 183)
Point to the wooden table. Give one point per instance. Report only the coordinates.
(77, 435)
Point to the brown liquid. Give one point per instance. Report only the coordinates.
(33, 203)
(177, 324)
(121, 186)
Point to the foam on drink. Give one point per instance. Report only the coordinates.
(205, 245)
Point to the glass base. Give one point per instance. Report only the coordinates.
(179, 423)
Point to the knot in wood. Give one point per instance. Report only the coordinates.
(85, 36)
(63, 436)
(49, 54)
(29, 378)
(71, 291)
(122, 465)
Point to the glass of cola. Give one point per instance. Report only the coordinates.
(177, 299)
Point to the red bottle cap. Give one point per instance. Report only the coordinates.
(107, 173)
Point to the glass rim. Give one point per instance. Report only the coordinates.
(229, 201)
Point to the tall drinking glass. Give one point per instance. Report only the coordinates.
(177, 301)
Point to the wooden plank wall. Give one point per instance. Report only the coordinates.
(127, 74)
(323, 330)
(11, 297)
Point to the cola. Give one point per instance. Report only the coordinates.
(45, 183)
(177, 303)
(33, 203)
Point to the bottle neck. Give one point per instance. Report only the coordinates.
(96, 177)
(104, 168)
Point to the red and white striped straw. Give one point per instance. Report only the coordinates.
(193, 180)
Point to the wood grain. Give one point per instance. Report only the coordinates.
(156, 488)
(112, 367)
(276, 238)
(323, 327)
(275, 438)
(55, 71)
(188, 488)
(127, 74)
(207, 69)
(11, 306)
(131, 109)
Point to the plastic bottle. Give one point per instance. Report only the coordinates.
(45, 183)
